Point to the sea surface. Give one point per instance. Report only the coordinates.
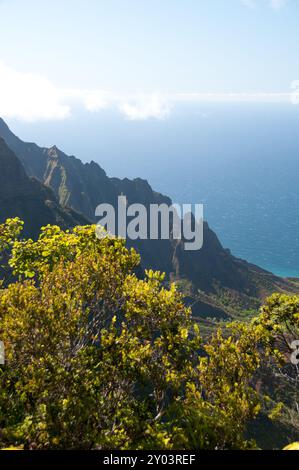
(240, 160)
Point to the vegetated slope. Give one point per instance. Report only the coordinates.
(28, 198)
(226, 283)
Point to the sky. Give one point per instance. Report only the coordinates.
(194, 95)
(140, 57)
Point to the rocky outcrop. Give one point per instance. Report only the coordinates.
(82, 186)
(28, 198)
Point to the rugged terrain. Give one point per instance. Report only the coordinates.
(53, 187)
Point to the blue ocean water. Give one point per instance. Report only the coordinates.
(240, 160)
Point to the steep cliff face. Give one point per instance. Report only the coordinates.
(82, 187)
(29, 199)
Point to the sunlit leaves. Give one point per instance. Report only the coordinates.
(99, 358)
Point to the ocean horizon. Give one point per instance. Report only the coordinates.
(240, 160)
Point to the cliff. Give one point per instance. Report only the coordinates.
(226, 281)
(28, 198)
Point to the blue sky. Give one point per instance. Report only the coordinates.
(141, 55)
(132, 84)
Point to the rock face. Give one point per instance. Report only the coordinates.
(82, 187)
(28, 198)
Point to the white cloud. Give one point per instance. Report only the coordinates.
(138, 106)
(142, 107)
(29, 97)
(92, 100)
(33, 97)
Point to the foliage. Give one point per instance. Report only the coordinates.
(293, 446)
(279, 319)
(98, 358)
(9, 232)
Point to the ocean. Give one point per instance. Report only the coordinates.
(240, 160)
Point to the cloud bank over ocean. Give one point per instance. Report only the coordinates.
(33, 97)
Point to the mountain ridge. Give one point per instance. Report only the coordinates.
(212, 270)
(27, 198)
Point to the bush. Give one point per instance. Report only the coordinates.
(98, 358)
